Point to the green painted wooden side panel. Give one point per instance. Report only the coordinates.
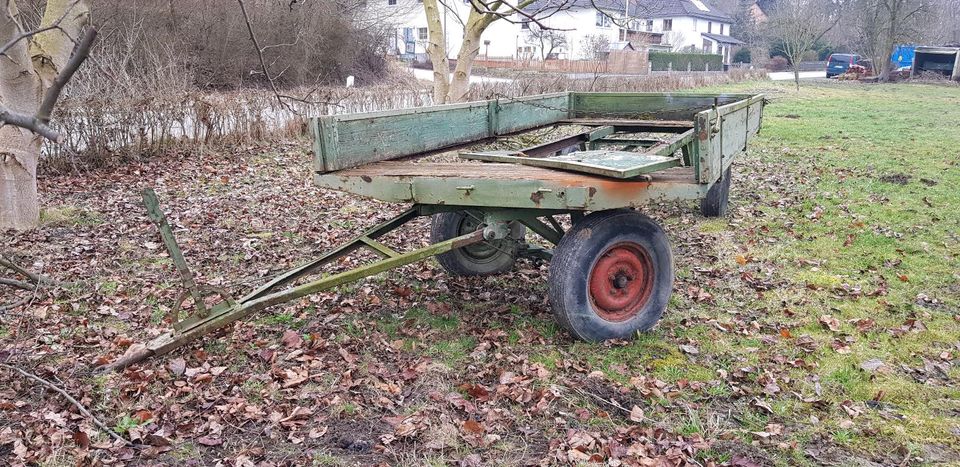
(722, 134)
(345, 141)
(654, 106)
(528, 112)
(363, 138)
(733, 132)
(755, 115)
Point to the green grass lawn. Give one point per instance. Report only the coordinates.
(846, 239)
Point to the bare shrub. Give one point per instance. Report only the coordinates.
(540, 83)
(102, 132)
(778, 63)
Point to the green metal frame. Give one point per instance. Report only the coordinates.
(204, 319)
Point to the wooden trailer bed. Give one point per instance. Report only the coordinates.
(630, 148)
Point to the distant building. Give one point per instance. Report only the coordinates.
(680, 25)
(694, 25)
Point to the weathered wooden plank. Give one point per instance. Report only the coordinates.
(701, 147)
(508, 185)
(756, 113)
(722, 135)
(646, 106)
(672, 145)
(356, 139)
(522, 113)
(614, 164)
(733, 128)
(552, 147)
(638, 126)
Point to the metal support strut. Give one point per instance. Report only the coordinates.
(207, 319)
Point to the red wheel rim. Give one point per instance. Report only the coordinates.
(621, 281)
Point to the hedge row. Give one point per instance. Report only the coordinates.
(661, 61)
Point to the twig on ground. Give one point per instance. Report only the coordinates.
(17, 304)
(609, 402)
(6, 262)
(17, 284)
(83, 410)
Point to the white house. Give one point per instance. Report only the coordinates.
(693, 25)
(576, 27)
(410, 41)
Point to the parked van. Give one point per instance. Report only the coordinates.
(837, 64)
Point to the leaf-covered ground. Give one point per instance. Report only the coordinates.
(819, 323)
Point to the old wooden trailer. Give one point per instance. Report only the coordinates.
(611, 271)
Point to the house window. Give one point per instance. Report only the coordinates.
(709, 27)
(422, 34)
(525, 25)
(721, 29)
(707, 46)
(649, 25)
(668, 25)
(391, 2)
(603, 20)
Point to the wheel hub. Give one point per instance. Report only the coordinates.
(482, 251)
(621, 281)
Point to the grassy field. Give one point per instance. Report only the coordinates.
(846, 241)
(819, 323)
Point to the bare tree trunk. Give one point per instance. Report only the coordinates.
(20, 91)
(437, 51)
(460, 83)
(27, 70)
(19, 203)
(796, 74)
(889, 34)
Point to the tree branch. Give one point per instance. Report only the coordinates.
(83, 410)
(40, 123)
(17, 284)
(29, 122)
(266, 73)
(53, 92)
(29, 34)
(33, 277)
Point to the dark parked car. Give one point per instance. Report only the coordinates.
(837, 64)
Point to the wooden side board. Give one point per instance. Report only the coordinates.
(508, 185)
(722, 134)
(344, 141)
(655, 106)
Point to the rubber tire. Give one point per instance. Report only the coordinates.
(716, 202)
(460, 262)
(577, 253)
